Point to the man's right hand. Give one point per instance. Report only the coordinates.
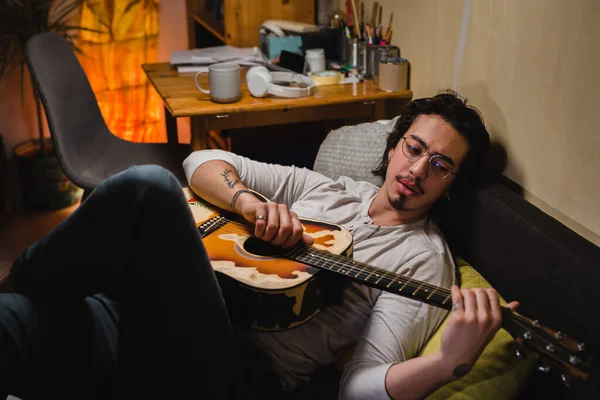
(218, 182)
(274, 223)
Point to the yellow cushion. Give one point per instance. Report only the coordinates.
(498, 373)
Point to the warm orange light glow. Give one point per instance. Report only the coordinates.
(112, 61)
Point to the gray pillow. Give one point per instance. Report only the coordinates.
(354, 151)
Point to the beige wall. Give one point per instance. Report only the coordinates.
(532, 67)
(173, 36)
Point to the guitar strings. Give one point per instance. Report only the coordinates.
(229, 226)
(364, 271)
(387, 276)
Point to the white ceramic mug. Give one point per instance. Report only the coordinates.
(224, 81)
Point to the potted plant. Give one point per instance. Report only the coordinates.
(43, 183)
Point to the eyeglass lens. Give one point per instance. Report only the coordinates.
(438, 166)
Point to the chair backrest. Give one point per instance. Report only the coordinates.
(74, 118)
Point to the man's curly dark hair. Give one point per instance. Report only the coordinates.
(466, 119)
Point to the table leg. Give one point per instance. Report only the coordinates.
(171, 124)
(379, 110)
(199, 134)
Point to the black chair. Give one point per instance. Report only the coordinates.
(86, 149)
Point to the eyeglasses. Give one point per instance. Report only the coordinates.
(439, 166)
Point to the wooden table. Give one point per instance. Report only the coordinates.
(182, 99)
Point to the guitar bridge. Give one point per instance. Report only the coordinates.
(211, 225)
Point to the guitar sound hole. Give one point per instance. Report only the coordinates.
(260, 248)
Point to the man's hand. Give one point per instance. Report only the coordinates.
(275, 223)
(476, 317)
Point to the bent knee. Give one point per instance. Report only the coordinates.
(152, 178)
(17, 312)
(150, 175)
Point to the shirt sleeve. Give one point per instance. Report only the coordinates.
(281, 184)
(397, 329)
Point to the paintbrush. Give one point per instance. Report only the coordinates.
(356, 20)
(374, 13)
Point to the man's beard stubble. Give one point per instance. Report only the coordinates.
(398, 202)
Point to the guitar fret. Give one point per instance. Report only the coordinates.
(447, 298)
(368, 276)
(405, 283)
(417, 289)
(324, 263)
(294, 252)
(351, 266)
(391, 281)
(431, 294)
(341, 268)
(360, 269)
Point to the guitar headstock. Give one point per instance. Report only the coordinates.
(557, 351)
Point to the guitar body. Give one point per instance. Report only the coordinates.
(263, 290)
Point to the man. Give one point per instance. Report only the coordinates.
(120, 299)
(435, 142)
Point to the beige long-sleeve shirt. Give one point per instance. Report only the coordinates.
(386, 328)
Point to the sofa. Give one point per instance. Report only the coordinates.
(522, 252)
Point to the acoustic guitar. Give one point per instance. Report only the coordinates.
(270, 289)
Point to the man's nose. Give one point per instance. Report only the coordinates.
(420, 167)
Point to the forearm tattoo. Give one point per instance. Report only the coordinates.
(230, 184)
(461, 371)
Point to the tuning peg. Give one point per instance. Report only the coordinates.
(521, 352)
(545, 368)
(574, 360)
(565, 380)
(581, 346)
(559, 335)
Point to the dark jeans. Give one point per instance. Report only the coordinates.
(160, 327)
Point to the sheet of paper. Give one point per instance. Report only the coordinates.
(211, 55)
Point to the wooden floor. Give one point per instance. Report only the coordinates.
(19, 231)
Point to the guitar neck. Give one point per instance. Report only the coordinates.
(371, 276)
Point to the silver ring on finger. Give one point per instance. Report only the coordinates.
(261, 217)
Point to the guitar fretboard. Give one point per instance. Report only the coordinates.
(371, 276)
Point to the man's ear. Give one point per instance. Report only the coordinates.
(390, 154)
(448, 193)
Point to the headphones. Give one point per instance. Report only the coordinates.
(261, 83)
